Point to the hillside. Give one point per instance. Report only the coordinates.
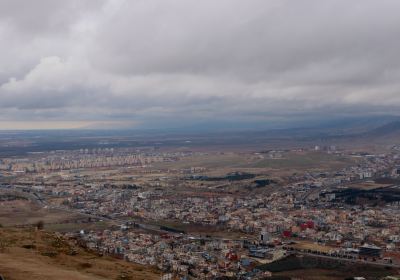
(39, 255)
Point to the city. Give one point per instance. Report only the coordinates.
(153, 207)
(199, 140)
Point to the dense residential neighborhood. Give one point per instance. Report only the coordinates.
(181, 221)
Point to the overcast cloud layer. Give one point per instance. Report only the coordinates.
(181, 61)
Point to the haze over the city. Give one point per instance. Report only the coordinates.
(182, 63)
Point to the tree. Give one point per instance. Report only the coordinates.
(40, 225)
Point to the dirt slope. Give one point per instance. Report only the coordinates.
(29, 254)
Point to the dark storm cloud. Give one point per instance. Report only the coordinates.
(198, 59)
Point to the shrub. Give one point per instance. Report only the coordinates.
(29, 246)
(51, 254)
(85, 265)
(40, 225)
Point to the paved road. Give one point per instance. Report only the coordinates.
(39, 199)
(358, 261)
(114, 221)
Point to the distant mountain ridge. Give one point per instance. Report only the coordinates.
(392, 128)
(361, 130)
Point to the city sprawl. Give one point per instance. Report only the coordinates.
(191, 216)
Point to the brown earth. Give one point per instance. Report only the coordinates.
(38, 255)
(25, 212)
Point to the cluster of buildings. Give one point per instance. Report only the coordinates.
(84, 158)
(183, 255)
(303, 207)
(270, 226)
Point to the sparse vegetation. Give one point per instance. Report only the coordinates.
(51, 254)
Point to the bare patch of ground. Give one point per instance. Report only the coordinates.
(22, 212)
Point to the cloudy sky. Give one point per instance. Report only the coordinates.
(170, 63)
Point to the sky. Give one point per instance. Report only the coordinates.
(172, 63)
